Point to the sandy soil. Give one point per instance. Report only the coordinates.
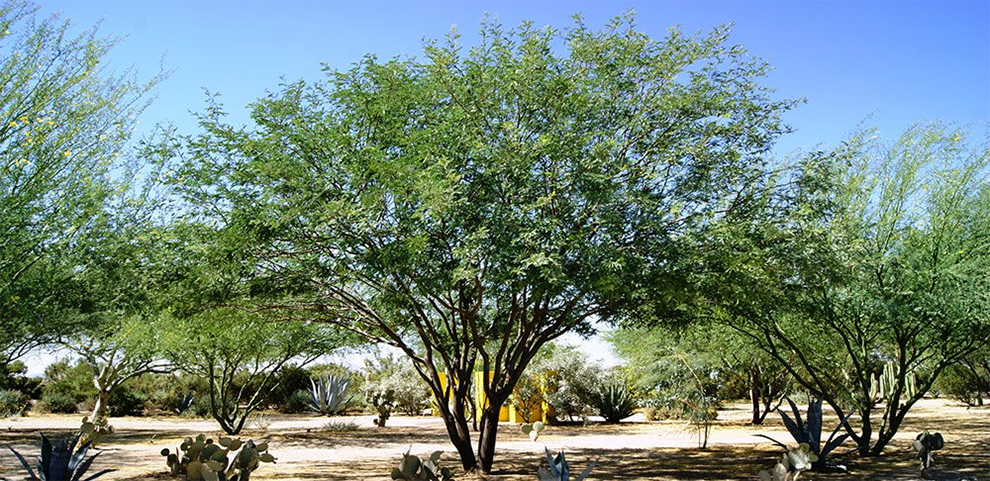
(632, 450)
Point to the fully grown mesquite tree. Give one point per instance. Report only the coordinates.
(469, 207)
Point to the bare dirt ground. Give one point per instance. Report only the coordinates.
(632, 450)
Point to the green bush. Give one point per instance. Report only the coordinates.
(12, 403)
(298, 402)
(58, 403)
(65, 381)
(126, 402)
(291, 380)
(572, 382)
(390, 372)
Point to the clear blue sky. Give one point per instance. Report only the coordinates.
(897, 61)
(890, 63)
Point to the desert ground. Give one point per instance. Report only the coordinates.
(632, 450)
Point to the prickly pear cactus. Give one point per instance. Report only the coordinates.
(533, 430)
(412, 468)
(384, 403)
(201, 459)
(93, 433)
(925, 444)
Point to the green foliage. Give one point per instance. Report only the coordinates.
(65, 120)
(58, 403)
(12, 403)
(412, 468)
(389, 373)
(126, 402)
(291, 380)
(615, 401)
(558, 470)
(229, 459)
(968, 381)
(871, 258)
(571, 381)
(329, 394)
(222, 346)
(61, 462)
(298, 402)
(68, 380)
(13, 375)
(473, 205)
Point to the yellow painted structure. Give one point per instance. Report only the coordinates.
(508, 413)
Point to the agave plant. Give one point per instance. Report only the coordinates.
(615, 402)
(61, 462)
(559, 470)
(329, 394)
(809, 432)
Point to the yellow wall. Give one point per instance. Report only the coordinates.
(508, 413)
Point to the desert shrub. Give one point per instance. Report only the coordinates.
(64, 380)
(298, 402)
(967, 382)
(12, 403)
(283, 397)
(571, 381)
(13, 376)
(125, 401)
(389, 372)
(58, 403)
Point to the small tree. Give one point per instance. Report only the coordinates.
(871, 277)
(241, 355)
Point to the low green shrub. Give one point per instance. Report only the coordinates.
(58, 403)
(12, 403)
(126, 402)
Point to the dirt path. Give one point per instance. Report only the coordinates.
(631, 450)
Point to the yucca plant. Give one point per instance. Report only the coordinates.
(328, 394)
(61, 462)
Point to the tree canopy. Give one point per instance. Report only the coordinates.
(485, 200)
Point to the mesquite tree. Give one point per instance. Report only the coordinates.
(471, 206)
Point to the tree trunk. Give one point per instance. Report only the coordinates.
(458, 430)
(489, 431)
(101, 407)
(755, 388)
